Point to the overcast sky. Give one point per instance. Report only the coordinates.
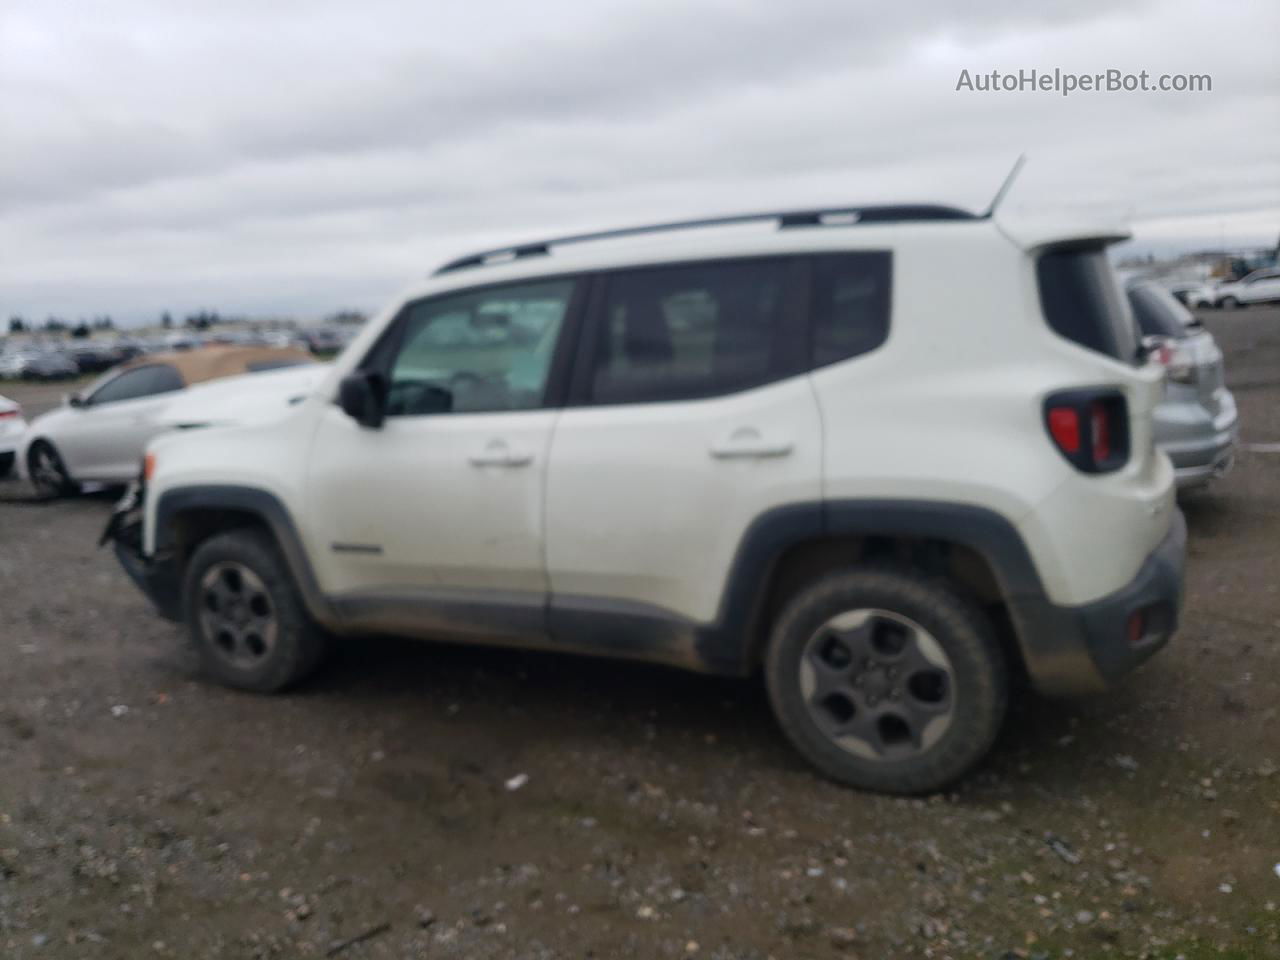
(296, 157)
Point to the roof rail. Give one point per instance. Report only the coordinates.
(822, 216)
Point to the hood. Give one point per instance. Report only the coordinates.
(249, 398)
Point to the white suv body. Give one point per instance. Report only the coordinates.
(619, 480)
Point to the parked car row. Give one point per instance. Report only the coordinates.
(67, 359)
(38, 364)
(1260, 286)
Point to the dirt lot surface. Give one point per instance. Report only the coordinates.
(145, 813)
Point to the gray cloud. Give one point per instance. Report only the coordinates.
(289, 157)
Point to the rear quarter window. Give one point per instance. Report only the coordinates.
(849, 304)
(1082, 301)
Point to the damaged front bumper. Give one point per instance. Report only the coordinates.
(155, 576)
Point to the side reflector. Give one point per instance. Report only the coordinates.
(1100, 432)
(148, 466)
(1136, 627)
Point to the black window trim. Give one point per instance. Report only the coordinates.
(572, 361)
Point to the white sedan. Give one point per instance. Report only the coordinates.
(1261, 286)
(12, 427)
(99, 435)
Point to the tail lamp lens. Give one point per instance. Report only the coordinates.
(1064, 427)
(1090, 427)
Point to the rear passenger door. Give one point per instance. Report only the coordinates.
(689, 417)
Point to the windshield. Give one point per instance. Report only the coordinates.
(1158, 312)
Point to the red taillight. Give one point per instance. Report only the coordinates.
(1090, 427)
(1064, 427)
(1100, 432)
(7, 414)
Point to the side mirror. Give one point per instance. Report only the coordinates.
(75, 400)
(363, 397)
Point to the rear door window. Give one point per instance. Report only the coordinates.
(688, 331)
(1082, 301)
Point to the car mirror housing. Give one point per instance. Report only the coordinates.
(363, 397)
(75, 400)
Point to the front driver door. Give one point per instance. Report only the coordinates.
(433, 523)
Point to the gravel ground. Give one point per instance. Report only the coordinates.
(384, 810)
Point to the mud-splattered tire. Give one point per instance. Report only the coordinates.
(887, 679)
(245, 617)
(48, 473)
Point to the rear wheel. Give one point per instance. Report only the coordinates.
(887, 679)
(47, 472)
(245, 616)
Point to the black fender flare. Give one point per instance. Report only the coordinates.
(729, 642)
(261, 504)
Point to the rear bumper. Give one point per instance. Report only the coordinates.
(1085, 649)
(1201, 446)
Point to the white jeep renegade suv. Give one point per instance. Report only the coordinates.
(889, 456)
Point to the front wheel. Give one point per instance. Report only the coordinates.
(887, 679)
(1229, 303)
(47, 471)
(245, 616)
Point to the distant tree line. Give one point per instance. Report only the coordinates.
(81, 328)
(200, 320)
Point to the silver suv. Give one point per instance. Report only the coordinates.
(1196, 423)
